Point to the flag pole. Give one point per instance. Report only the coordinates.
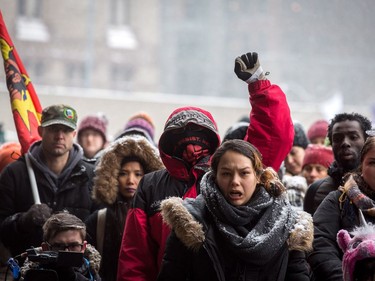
(25, 103)
(34, 187)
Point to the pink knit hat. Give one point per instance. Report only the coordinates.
(95, 122)
(318, 129)
(142, 123)
(359, 247)
(318, 154)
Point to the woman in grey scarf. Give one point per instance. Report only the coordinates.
(241, 227)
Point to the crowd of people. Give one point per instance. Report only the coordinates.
(266, 202)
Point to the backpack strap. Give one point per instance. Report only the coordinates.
(100, 227)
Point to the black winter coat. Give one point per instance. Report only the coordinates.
(213, 262)
(111, 242)
(72, 194)
(106, 192)
(329, 218)
(319, 189)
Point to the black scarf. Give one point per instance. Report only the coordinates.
(254, 232)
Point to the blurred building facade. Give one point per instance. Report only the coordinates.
(314, 48)
(92, 44)
(320, 52)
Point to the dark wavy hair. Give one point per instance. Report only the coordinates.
(364, 122)
(62, 221)
(369, 144)
(267, 177)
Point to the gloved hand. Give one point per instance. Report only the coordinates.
(349, 182)
(248, 69)
(35, 216)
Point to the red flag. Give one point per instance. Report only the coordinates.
(24, 101)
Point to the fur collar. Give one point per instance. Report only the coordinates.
(192, 235)
(108, 166)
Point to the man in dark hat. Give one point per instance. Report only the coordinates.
(50, 177)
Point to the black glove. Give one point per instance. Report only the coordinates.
(35, 216)
(248, 69)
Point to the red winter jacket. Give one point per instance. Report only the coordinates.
(145, 235)
(271, 128)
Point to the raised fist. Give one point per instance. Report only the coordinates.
(248, 69)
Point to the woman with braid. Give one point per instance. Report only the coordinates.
(241, 226)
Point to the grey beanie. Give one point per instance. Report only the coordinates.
(300, 138)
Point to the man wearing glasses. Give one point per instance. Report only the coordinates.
(64, 254)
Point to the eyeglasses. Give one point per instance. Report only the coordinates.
(72, 247)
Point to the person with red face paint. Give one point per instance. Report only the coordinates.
(117, 175)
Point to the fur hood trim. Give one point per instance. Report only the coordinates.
(302, 235)
(93, 255)
(187, 229)
(108, 166)
(192, 235)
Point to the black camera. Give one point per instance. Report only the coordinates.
(49, 262)
(60, 258)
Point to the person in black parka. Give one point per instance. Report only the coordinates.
(118, 172)
(241, 226)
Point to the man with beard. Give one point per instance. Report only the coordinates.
(347, 135)
(63, 181)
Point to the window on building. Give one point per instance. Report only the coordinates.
(75, 74)
(30, 8)
(35, 70)
(120, 35)
(121, 76)
(119, 12)
(29, 24)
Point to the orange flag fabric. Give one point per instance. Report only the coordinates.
(24, 101)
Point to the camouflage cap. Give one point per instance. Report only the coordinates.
(59, 114)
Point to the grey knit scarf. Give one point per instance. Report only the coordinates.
(256, 231)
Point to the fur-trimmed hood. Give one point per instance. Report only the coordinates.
(108, 166)
(192, 233)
